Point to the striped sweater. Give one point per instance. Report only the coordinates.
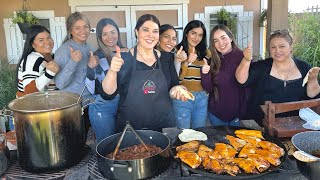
(190, 76)
(33, 75)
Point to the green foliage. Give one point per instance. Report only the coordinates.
(223, 15)
(23, 16)
(305, 30)
(8, 86)
(262, 18)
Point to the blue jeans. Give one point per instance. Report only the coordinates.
(102, 114)
(215, 121)
(191, 114)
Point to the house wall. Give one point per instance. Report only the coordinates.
(197, 6)
(60, 7)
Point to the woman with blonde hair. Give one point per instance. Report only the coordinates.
(74, 56)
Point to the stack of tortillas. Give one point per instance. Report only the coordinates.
(184, 92)
(305, 79)
(188, 135)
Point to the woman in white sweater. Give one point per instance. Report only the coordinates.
(36, 68)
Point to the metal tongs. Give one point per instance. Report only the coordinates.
(128, 126)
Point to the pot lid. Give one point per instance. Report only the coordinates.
(40, 101)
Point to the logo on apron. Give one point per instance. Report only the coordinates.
(149, 87)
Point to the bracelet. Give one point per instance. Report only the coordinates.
(247, 59)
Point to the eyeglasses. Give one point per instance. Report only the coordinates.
(279, 31)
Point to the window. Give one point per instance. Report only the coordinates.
(232, 23)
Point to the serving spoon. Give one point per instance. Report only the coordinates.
(305, 157)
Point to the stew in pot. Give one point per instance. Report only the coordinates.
(136, 152)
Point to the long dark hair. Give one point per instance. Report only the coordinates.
(102, 47)
(215, 62)
(33, 31)
(164, 27)
(201, 48)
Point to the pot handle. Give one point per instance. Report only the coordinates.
(112, 166)
(4, 113)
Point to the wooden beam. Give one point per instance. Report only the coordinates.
(277, 16)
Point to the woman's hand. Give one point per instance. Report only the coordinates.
(247, 52)
(192, 56)
(313, 87)
(181, 55)
(313, 75)
(205, 68)
(51, 66)
(93, 61)
(116, 61)
(177, 94)
(75, 55)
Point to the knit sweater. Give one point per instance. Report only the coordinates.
(33, 75)
(96, 75)
(190, 74)
(232, 98)
(72, 74)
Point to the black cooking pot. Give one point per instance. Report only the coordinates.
(308, 142)
(137, 168)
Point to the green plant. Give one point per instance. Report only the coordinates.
(23, 16)
(228, 19)
(223, 15)
(8, 86)
(304, 28)
(263, 18)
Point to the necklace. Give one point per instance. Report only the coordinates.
(152, 66)
(286, 79)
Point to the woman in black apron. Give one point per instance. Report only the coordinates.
(143, 77)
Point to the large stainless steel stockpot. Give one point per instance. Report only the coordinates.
(49, 130)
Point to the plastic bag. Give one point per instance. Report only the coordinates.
(312, 119)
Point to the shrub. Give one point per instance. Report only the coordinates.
(8, 87)
(305, 30)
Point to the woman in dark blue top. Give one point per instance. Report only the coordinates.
(143, 77)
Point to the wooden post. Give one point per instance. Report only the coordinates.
(277, 16)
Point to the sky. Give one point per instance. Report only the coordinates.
(302, 5)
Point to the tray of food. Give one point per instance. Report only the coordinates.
(228, 152)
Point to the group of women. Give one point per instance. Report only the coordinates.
(140, 85)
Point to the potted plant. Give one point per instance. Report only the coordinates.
(263, 18)
(24, 19)
(223, 16)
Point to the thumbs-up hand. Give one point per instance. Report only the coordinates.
(192, 56)
(205, 67)
(116, 61)
(75, 55)
(93, 61)
(51, 66)
(181, 55)
(247, 52)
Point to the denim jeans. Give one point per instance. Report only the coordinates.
(191, 114)
(102, 114)
(215, 121)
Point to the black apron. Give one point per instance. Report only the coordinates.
(147, 105)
